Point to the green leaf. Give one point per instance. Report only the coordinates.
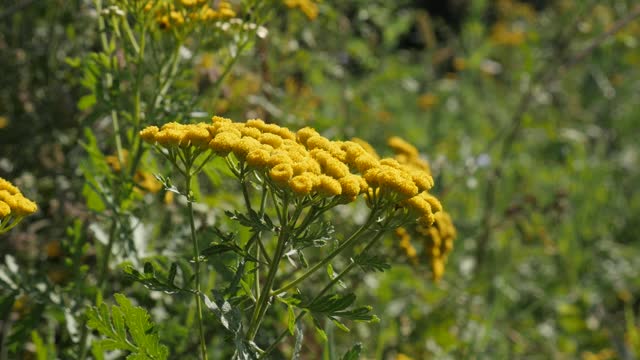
(372, 263)
(291, 323)
(353, 353)
(41, 349)
(340, 325)
(158, 279)
(126, 328)
(319, 330)
(86, 102)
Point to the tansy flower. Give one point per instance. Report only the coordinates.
(281, 173)
(114, 161)
(302, 184)
(427, 101)
(147, 181)
(308, 7)
(13, 206)
(438, 241)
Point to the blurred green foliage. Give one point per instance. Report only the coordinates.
(527, 115)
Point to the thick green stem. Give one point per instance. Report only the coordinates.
(196, 256)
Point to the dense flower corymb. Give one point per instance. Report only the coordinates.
(308, 164)
(13, 206)
(311, 167)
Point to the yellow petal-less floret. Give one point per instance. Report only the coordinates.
(256, 123)
(24, 206)
(328, 186)
(4, 209)
(224, 143)
(422, 179)
(281, 173)
(435, 204)
(13, 205)
(197, 136)
(148, 134)
(251, 132)
(366, 146)
(302, 184)
(400, 146)
(242, 147)
(8, 198)
(221, 120)
(279, 157)
(350, 185)
(304, 134)
(365, 162)
(273, 140)
(170, 137)
(397, 181)
(318, 142)
(258, 158)
(9, 187)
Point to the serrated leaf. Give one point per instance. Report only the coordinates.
(372, 263)
(127, 328)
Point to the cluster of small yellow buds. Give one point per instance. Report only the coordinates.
(308, 7)
(13, 205)
(145, 180)
(405, 245)
(306, 163)
(173, 13)
(436, 232)
(438, 241)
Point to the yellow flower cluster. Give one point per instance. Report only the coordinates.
(144, 179)
(307, 163)
(13, 205)
(405, 245)
(437, 235)
(427, 101)
(308, 7)
(178, 12)
(439, 241)
(502, 34)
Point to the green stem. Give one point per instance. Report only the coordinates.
(175, 60)
(322, 292)
(261, 306)
(350, 241)
(196, 256)
(218, 84)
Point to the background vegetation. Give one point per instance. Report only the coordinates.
(526, 111)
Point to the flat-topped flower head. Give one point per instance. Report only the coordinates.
(314, 163)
